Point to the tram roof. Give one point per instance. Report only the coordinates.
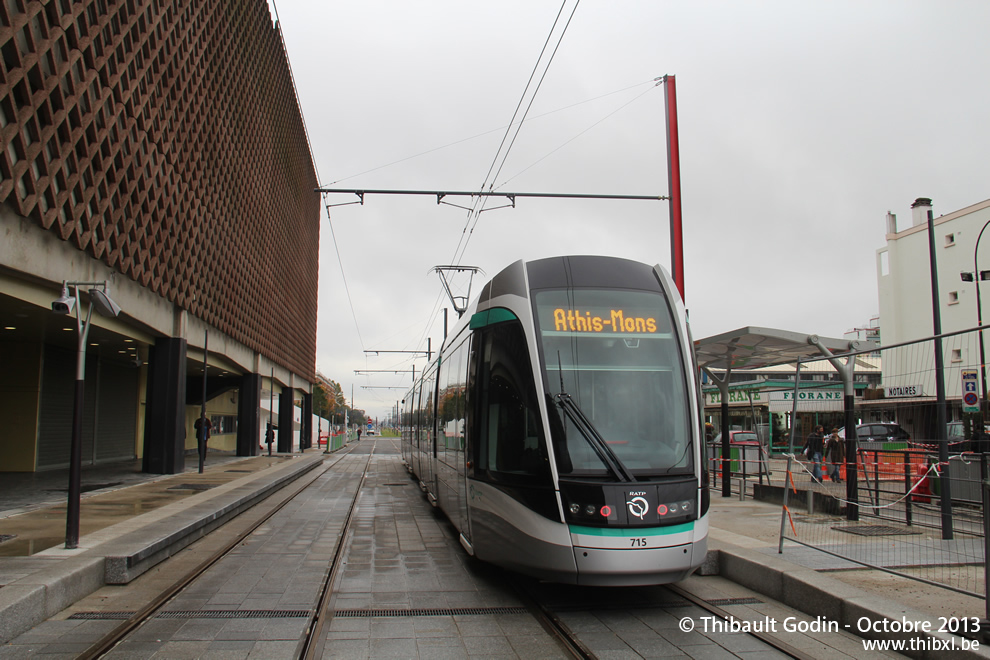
(759, 348)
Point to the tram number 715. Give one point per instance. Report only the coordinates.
(637, 543)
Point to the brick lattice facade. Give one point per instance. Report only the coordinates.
(164, 138)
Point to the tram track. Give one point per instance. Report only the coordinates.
(547, 604)
(768, 639)
(571, 643)
(323, 613)
(154, 607)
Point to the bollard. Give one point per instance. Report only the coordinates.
(985, 481)
(811, 502)
(907, 489)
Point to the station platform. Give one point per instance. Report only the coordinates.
(131, 521)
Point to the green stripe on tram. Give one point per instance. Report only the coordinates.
(491, 317)
(632, 531)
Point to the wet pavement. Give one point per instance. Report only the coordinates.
(33, 505)
(403, 558)
(406, 589)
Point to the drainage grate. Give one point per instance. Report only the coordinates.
(403, 484)
(87, 488)
(457, 611)
(7, 537)
(199, 614)
(588, 607)
(246, 471)
(874, 530)
(102, 616)
(193, 487)
(233, 614)
(723, 602)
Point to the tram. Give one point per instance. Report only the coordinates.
(559, 428)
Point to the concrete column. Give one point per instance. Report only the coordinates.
(165, 412)
(306, 433)
(285, 424)
(248, 415)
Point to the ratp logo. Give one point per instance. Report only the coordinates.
(638, 506)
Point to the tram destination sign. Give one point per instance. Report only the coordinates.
(611, 321)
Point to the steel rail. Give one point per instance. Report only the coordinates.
(106, 643)
(556, 628)
(783, 647)
(323, 614)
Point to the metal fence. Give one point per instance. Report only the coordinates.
(918, 505)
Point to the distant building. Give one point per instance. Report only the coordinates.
(870, 333)
(904, 287)
(763, 399)
(158, 147)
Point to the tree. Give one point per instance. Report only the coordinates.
(328, 399)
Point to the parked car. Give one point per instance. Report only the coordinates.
(738, 437)
(956, 434)
(879, 432)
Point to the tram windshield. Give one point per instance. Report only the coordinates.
(614, 355)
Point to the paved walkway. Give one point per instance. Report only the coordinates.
(744, 532)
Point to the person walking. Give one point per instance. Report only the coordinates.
(814, 448)
(835, 453)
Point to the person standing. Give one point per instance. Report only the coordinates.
(835, 453)
(815, 447)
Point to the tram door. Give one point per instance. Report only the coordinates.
(471, 420)
(428, 440)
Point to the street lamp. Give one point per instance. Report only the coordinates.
(976, 276)
(105, 305)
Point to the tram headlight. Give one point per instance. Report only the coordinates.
(682, 508)
(590, 509)
(575, 508)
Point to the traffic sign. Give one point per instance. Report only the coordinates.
(970, 399)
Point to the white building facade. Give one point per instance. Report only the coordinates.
(962, 249)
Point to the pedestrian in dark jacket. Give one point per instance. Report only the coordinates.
(835, 454)
(814, 448)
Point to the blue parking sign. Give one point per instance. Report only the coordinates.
(970, 399)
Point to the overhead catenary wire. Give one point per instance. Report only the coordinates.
(513, 128)
(343, 276)
(500, 156)
(575, 137)
(651, 82)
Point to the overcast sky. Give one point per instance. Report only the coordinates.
(801, 125)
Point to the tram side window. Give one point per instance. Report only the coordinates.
(450, 406)
(417, 416)
(513, 448)
(428, 384)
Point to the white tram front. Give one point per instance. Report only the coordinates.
(559, 428)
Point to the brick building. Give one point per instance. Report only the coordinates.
(156, 146)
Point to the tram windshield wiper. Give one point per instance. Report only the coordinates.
(594, 438)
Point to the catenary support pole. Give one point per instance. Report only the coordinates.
(784, 512)
(674, 184)
(945, 489)
(847, 372)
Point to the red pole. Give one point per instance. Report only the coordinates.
(674, 183)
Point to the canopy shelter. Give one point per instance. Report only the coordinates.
(756, 348)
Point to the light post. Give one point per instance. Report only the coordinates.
(107, 307)
(976, 276)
